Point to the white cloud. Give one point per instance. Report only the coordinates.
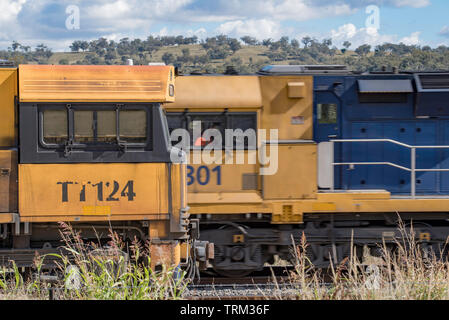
(109, 10)
(445, 31)
(413, 39)
(260, 29)
(299, 10)
(9, 26)
(279, 10)
(411, 3)
(364, 3)
(10, 9)
(371, 36)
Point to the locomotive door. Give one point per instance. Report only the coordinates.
(327, 126)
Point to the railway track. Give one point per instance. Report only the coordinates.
(270, 283)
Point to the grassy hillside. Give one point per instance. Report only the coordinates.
(215, 54)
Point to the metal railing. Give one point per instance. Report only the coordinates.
(412, 170)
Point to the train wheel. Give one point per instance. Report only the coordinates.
(237, 260)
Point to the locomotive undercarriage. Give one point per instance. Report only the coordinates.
(24, 242)
(244, 245)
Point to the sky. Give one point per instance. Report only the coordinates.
(57, 23)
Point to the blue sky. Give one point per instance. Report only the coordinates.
(421, 22)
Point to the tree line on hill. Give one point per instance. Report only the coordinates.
(213, 54)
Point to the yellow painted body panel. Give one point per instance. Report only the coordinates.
(296, 174)
(217, 92)
(8, 120)
(6, 218)
(8, 180)
(57, 83)
(219, 176)
(41, 191)
(279, 108)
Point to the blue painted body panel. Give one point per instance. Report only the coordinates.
(395, 121)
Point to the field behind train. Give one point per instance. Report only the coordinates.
(406, 273)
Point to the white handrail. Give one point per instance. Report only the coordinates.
(412, 170)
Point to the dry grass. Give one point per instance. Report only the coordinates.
(99, 273)
(407, 273)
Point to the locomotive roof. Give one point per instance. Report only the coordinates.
(295, 70)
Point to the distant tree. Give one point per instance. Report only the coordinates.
(306, 40)
(218, 53)
(275, 46)
(15, 45)
(363, 50)
(75, 46)
(125, 59)
(168, 58)
(186, 52)
(200, 59)
(295, 44)
(347, 44)
(64, 61)
(327, 42)
(25, 48)
(110, 55)
(43, 51)
(267, 42)
(234, 44)
(250, 41)
(284, 43)
(179, 40)
(84, 45)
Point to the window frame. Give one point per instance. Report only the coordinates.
(187, 119)
(96, 145)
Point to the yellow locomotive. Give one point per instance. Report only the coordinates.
(89, 145)
(252, 217)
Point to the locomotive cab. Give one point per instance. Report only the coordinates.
(94, 152)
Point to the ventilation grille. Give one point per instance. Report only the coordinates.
(434, 81)
(326, 68)
(303, 69)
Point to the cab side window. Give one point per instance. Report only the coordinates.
(55, 129)
(200, 122)
(106, 126)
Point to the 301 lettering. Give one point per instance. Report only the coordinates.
(112, 190)
(203, 175)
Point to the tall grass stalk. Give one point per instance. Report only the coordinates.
(409, 272)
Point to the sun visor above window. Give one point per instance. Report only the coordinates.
(433, 94)
(76, 83)
(385, 86)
